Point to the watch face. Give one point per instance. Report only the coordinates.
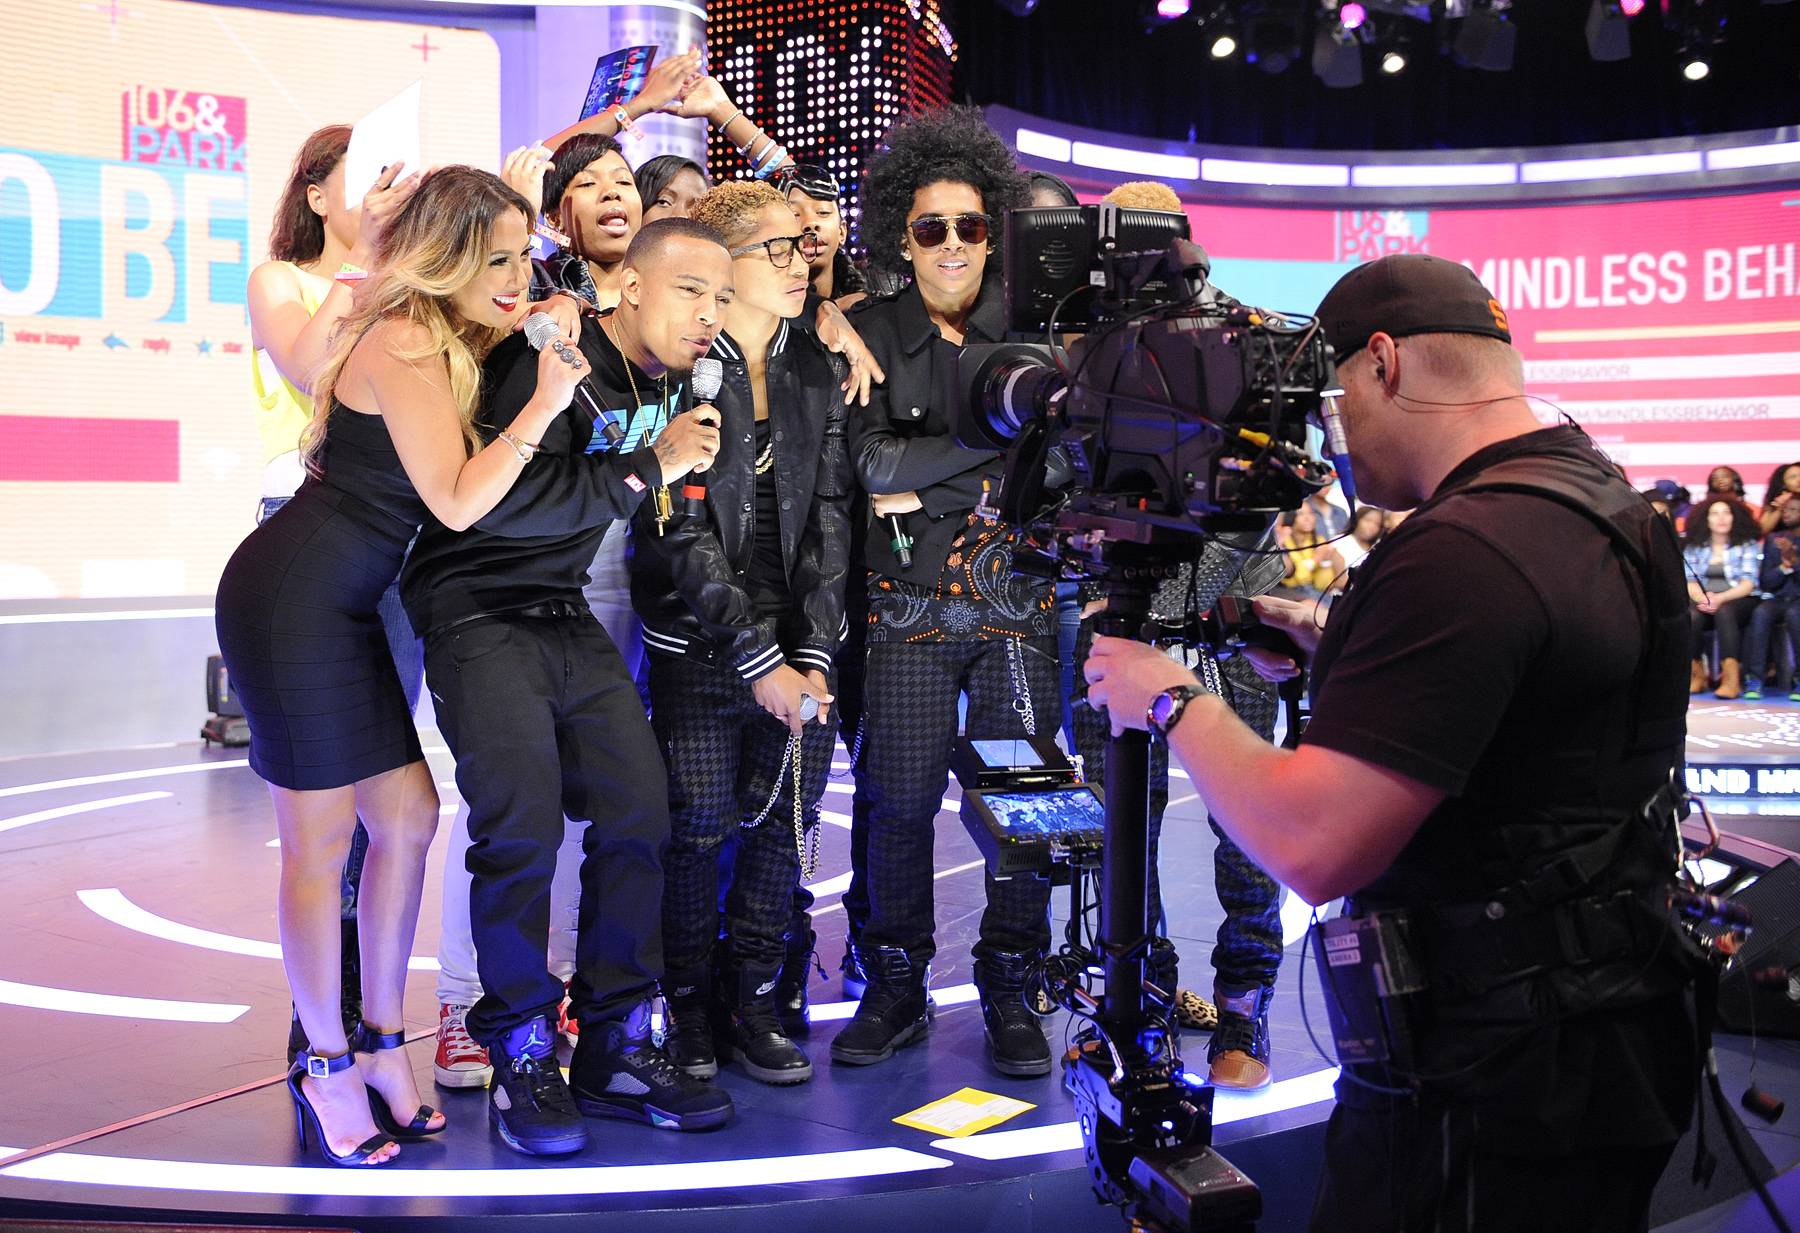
(1162, 708)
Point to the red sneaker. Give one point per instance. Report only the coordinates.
(460, 1062)
(570, 1028)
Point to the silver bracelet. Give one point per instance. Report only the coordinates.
(526, 450)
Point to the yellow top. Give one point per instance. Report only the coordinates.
(282, 408)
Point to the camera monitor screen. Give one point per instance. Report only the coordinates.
(1008, 753)
(1046, 815)
(1053, 252)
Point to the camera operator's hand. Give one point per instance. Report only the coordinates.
(1299, 621)
(896, 503)
(1123, 676)
(689, 443)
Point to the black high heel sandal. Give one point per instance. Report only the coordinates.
(305, 1115)
(367, 1040)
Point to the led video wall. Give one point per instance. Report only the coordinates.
(142, 147)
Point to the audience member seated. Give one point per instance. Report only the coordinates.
(1311, 565)
(1779, 609)
(1365, 533)
(1784, 487)
(1723, 559)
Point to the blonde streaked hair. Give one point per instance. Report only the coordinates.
(436, 244)
(1145, 195)
(734, 208)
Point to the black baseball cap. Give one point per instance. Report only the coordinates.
(1408, 293)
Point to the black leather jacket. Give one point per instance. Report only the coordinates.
(690, 583)
(902, 441)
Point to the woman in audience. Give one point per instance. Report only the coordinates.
(1365, 532)
(1311, 564)
(1783, 489)
(1722, 554)
(669, 185)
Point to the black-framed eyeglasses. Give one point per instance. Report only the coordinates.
(780, 250)
(810, 178)
(933, 230)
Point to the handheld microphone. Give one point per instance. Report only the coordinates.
(900, 541)
(542, 331)
(708, 376)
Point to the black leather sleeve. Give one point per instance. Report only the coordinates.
(688, 553)
(886, 461)
(823, 558)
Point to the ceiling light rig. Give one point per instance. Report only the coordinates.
(1475, 34)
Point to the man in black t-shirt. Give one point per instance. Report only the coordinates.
(544, 721)
(1498, 701)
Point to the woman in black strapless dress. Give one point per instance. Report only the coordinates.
(391, 440)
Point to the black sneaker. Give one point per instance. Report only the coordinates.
(687, 1026)
(1238, 1056)
(757, 1042)
(619, 1072)
(1015, 1035)
(528, 1102)
(791, 998)
(895, 1010)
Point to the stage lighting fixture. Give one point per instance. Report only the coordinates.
(1696, 67)
(1170, 10)
(1487, 39)
(1018, 8)
(1352, 15)
(1337, 57)
(1273, 44)
(1224, 47)
(1393, 62)
(1609, 28)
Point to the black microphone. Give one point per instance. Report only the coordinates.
(542, 331)
(708, 376)
(900, 541)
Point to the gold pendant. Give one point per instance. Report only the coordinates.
(665, 506)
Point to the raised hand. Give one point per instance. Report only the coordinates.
(379, 205)
(524, 171)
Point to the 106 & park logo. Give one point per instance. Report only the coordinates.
(154, 237)
(182, 127)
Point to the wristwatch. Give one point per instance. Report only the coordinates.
(1165, 710)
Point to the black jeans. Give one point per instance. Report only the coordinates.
(1729, 621)
(1247, 950)
(725, 756)
(544, 722)
(909, 728)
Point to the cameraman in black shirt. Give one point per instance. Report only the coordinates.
(543, 719)
(1499, 706)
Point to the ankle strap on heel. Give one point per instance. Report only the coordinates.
(366, 1039)
(318, 1066)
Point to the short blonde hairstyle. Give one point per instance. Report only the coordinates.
(1144, 195)
(734, 208)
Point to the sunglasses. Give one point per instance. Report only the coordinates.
(780, 250)
(933, 230)
(810, 178)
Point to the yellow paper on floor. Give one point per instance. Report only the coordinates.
(963, 1113)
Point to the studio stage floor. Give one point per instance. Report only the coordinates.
(141, 988)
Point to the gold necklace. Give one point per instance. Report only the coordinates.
(661, 497)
